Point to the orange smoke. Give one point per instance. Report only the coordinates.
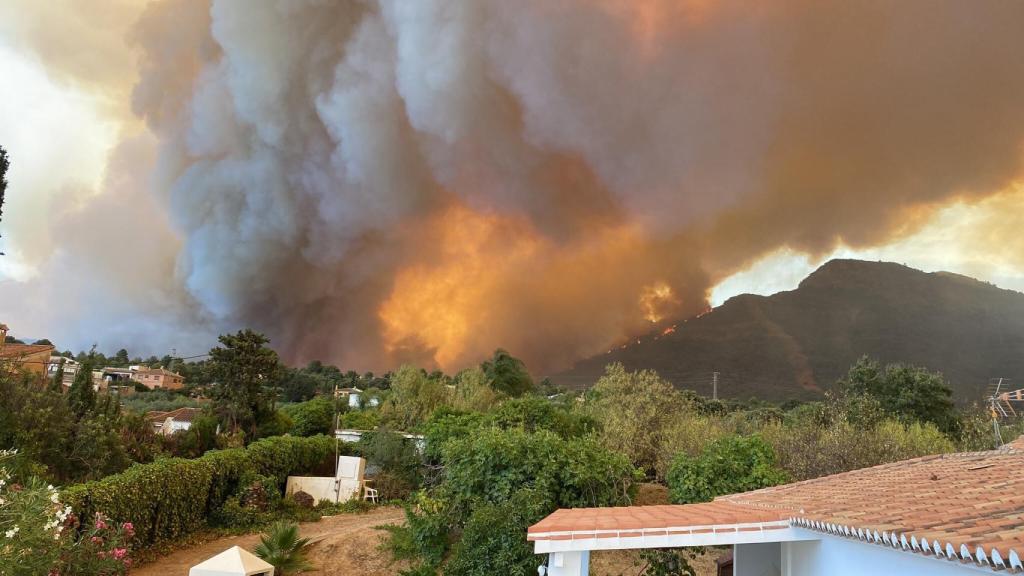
(452, 307)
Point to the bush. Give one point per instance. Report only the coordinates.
(282, 548)
(447, 425)
(532, 413)
(726, 466)
(807, 450)
(492, 541)
(493, 464)
(173, 497)
(313, 417)
(397, 457)
(360, 420)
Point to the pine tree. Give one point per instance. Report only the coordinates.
(81, 396)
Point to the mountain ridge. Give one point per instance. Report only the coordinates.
(796, 343)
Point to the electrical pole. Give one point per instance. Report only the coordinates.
(714, 386)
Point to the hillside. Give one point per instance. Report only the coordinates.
(797, 343)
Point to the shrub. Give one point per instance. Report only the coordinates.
(492, 541)
(282, 548)
(807, 450)
(173, 497)
(313, 417)
(277, 423)
(360, 420)
(491, 465)
(397, 457)
(532, 413)
(726, 466)
(445, 425)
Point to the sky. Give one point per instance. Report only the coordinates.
(372, 183)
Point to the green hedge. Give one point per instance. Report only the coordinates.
(172, 497)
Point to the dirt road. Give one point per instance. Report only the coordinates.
(345, 544)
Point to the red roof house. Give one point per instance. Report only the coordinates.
(935, 515)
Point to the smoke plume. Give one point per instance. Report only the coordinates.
(373, 182)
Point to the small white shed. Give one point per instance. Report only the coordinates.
(234, 561)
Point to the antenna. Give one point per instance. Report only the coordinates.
(1003, 403)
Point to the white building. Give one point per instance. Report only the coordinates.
(167, 423)
(943, 515)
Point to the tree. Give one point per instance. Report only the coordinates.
(312, 417)
(43, 342)
(241, 367)
(413, 398)
(637, 411)
(81, 395)
(121, 358)
(473, 392)
(909, 393)
(726, 466)
(507, 374)
(297, 385)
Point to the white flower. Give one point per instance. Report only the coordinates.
(10, 533)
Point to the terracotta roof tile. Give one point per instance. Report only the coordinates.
(22, 350)
(971, 502)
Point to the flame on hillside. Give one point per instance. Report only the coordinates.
(657, 301)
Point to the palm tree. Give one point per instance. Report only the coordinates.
(282, 548)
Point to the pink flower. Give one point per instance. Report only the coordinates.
(119, 553)
(96, 540)
(100, 524)
(129, 529)
(127, 562)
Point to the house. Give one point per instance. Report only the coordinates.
(940, 515)
(31, 358)
(71, 367)
(354, 395)
(167, 423)
(154, 378)
(352, 436)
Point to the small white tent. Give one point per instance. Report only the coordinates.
(234, 561)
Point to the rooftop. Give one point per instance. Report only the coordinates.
(180, 415)
(23, 350)
(964, 507)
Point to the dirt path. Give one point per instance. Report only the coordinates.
(345, 544)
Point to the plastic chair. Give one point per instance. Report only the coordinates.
(369, 493)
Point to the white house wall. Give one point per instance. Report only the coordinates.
(757, 559)
(843, 557)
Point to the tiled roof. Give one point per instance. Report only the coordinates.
(160, 371)
(964, 507)
(651, 520)
(179, 415)
(23, 350)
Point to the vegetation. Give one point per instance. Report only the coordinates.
(498, 455)
(173, 497)
(282, 548)
(242, 368)
(726, 466)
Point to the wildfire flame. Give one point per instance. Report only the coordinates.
(656, 301)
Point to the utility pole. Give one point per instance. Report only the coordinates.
(714, 385)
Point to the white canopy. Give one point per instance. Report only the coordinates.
(234, 561)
